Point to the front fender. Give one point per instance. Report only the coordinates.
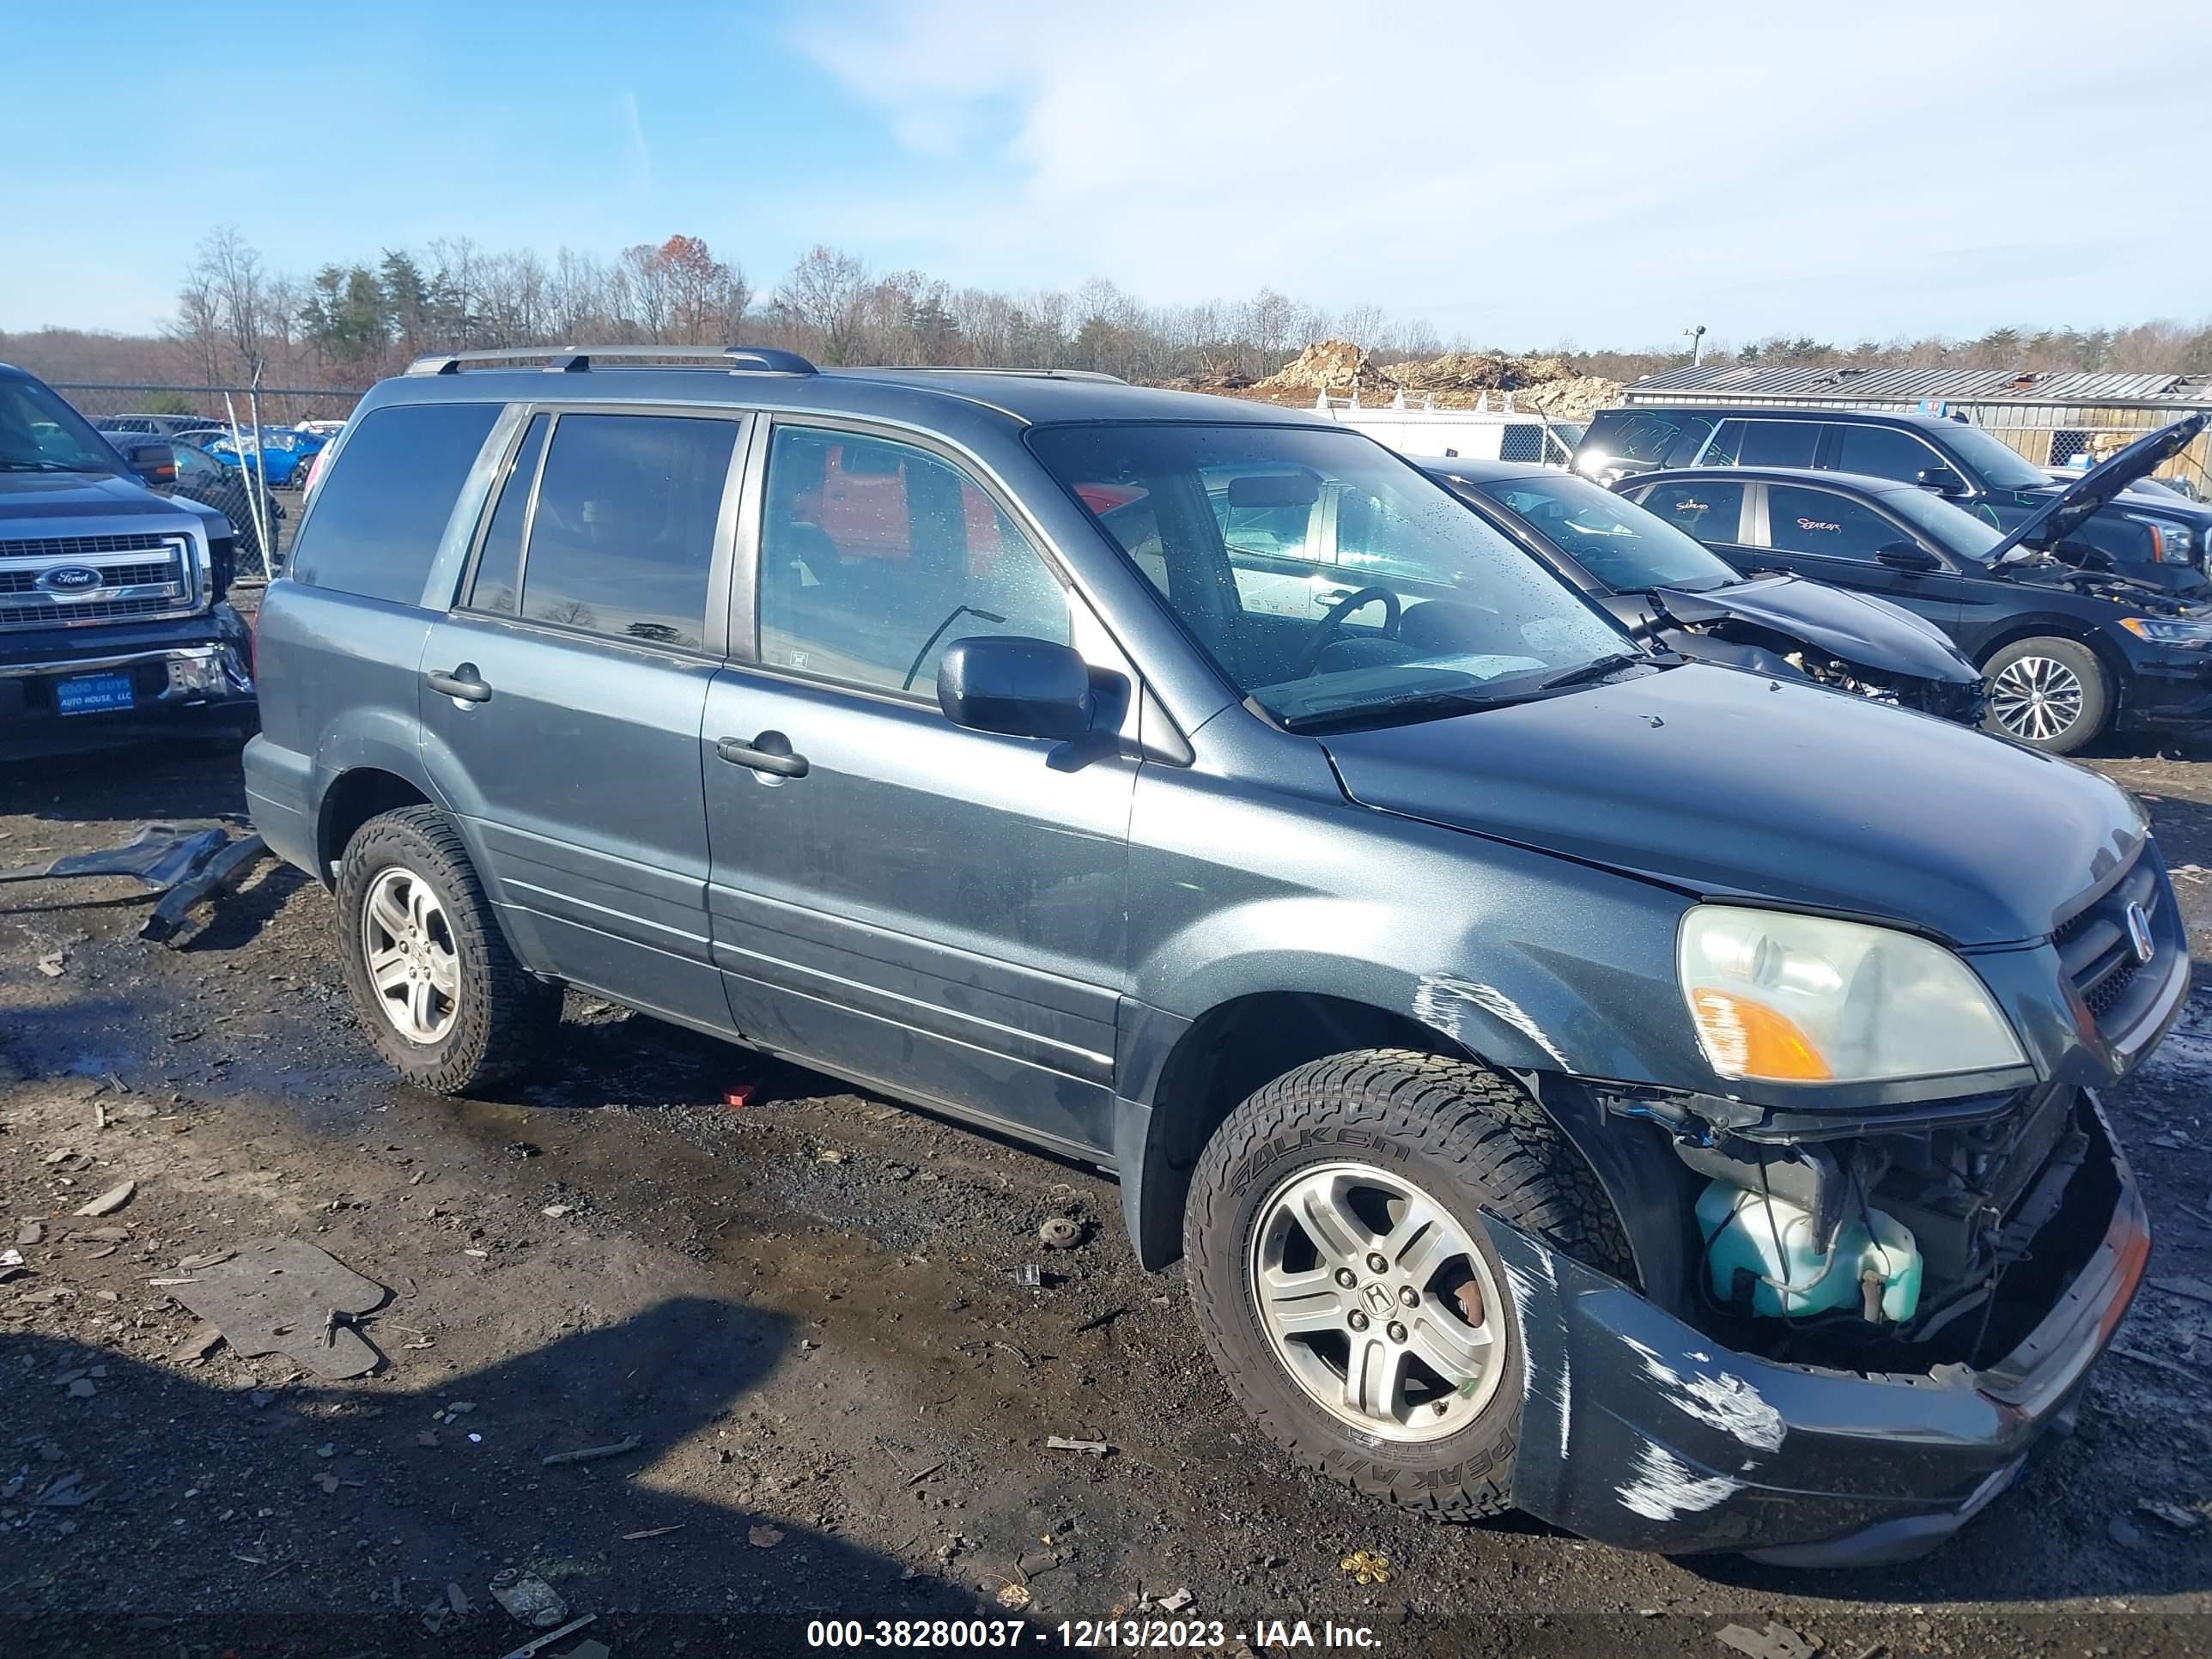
(1534, 963)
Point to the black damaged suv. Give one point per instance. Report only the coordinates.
(2073, 644)
(2152, 533)
(1565, 1091)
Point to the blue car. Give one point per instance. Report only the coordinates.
(280, 458)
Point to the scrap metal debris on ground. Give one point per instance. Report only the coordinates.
(528, 1598)
(1059, 1233)
(285, 1296)
(1776, 1641)
(591, 1454)
(188, 863)
(1366, 1567)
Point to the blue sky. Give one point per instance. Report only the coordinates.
(1598, 172)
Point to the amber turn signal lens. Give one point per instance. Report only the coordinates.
(1744, 1038)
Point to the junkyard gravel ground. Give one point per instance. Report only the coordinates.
(807, 1309)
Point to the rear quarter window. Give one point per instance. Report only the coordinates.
(379, 514)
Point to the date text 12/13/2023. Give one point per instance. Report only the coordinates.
(1133, 1634)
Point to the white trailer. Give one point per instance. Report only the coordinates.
(1481, 434)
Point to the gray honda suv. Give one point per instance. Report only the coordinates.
(1659, 1097)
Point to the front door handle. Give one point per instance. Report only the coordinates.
(769, 752)
(463, 682)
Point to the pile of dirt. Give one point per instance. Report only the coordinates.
(1477, 371)
(1458, 379)
(1337, 367)
(1576, 398)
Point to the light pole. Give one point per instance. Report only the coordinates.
(1697, 344)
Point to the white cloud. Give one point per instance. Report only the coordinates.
(1611, 169)
(637, 155)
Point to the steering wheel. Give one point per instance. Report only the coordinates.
(1333, 623)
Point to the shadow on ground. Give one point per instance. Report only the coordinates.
(347, 1512)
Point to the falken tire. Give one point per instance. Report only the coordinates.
(501, 1016)
(2090, 715)
(1469, 1140)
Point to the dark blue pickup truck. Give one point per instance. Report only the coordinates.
(113, 610)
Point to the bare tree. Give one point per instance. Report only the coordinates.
(198, 325)
(827, 296)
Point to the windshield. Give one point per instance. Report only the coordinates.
(2000, 465)
(40, 432)
(1952, 528)
(1618, 542)
(1330, 580)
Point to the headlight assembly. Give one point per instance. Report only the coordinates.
(1793, 999)
(2162, 630)
(2170, 542)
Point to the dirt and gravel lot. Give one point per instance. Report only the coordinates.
(808, 1311)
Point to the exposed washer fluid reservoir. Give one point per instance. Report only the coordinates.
(1874, 1265)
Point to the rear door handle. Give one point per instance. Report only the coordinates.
(463, 682)
(769, 752)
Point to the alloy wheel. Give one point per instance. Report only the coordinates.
(2038, 698)
(1377, 1301)
(414, 964)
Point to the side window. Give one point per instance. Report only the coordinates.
(1817, 521)
(623, 534)
(876, 554)
(1649, 437)
(1712, 513)
(498, 580)
(1763, 443)
(379, 516)
(1885, 453)
(1269, 514)
(1374, 537)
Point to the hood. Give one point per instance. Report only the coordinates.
(2062, 514)
(1867, 632)
(57, 498)
(1728, 783)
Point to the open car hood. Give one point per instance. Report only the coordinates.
(1869, 632)
(2076, 505)
(1727, 784)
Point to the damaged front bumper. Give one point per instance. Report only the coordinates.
(57, 685)
(2168, 689)
(1641, 1432)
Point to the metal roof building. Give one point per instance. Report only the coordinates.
(2049, 415)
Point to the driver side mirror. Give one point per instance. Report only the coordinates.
(1907, 555)
(153, 464)
(1940, 479)
(1023, 688)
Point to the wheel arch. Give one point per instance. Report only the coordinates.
(2064, 628)
(351, 800)
(1211, 1065)
(1206, 1067)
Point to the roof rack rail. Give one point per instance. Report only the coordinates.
(575, 360)
(986, 368)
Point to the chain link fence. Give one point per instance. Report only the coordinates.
(199, 417)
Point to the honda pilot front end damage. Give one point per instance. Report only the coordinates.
(1857, 1320)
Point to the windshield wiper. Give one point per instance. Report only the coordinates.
(1515, 688)
(1596, 669)
(1416, 703)
(42, 466)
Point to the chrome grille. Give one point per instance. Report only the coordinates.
(80, 547)
(2098, 955)
(118, 575)
(87, 610)
(133, 586)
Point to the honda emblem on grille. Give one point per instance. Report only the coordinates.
(2139, 932)
(70, 579)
